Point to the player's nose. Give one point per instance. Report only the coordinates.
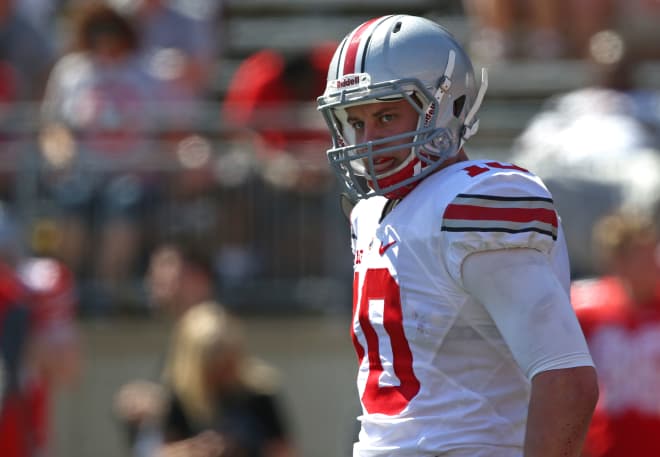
(371, 132)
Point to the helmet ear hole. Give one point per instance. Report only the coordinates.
(459, 103)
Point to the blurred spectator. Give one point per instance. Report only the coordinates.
(638, 21)
(97, 115)
(220, 400)
(504, 29)
(26, 56)
(18, 422)
(546, 29)
(193, 201)
(597, 149)
(269, 102)
(180, 44)
(635, 20)
(38, 345)
(42, 14)
(179, 275)
(180, 49)
(620, 315)
(54, 357)
(218, 215)
(12, 245)
(588, 18)
(269, 107)
(26, 51)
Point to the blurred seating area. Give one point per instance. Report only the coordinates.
(200, 129)
(168, 152)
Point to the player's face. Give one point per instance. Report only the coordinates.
(375, 121)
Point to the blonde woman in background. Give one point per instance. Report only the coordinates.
(221, 402)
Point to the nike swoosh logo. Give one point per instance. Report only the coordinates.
(385, 247)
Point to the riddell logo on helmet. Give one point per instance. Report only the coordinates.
(352, 80)
(348, 81)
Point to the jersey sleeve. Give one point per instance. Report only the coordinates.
(499, 211)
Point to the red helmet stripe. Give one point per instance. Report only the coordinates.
(354, 45)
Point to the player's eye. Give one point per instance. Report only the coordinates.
(357, 125)
(387, 118)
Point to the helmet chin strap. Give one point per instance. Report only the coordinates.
(471, 127)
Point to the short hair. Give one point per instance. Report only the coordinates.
(98, 19)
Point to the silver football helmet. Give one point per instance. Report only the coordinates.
(393, 58)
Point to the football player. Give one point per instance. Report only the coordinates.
(466, 340)
(620, 314)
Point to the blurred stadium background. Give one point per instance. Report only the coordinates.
(269, 219)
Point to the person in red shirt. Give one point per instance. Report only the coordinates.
(38, 350)
(620, 315)
(16, 425)
(268, 104)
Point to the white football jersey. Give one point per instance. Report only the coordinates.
(434, 372)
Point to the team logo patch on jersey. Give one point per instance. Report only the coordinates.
(491, 213)
(385, 247)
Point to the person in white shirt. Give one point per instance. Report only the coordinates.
(466, 340)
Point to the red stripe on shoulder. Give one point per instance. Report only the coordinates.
(483, 213)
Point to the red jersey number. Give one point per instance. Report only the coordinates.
(390, 400)
(475, 170)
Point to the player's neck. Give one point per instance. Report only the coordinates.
(461, 156)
